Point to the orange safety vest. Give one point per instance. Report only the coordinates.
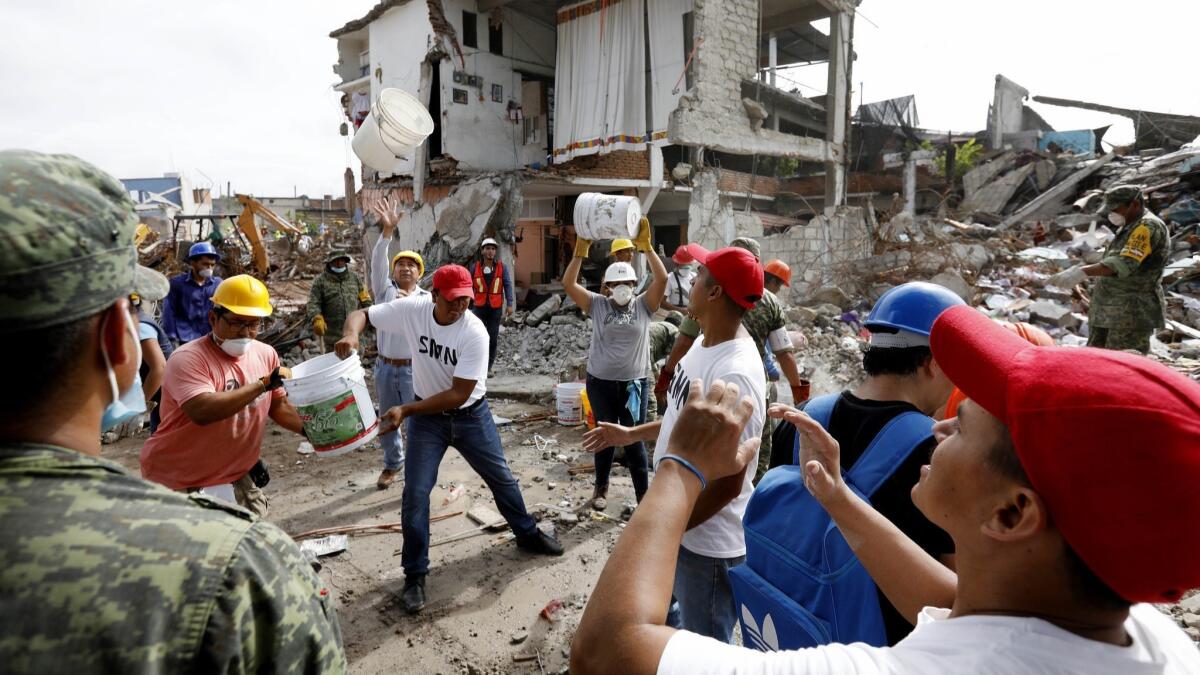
(489, 297)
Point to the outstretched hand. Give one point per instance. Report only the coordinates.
(709, 427)
(388, 212)
(820, 454)
(607, 435)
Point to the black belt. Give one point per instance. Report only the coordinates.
(457, 412)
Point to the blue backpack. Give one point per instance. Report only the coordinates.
(801, 585)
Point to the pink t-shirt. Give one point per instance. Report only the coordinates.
(182, 454)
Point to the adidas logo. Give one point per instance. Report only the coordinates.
(764, 640)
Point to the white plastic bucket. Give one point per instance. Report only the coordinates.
(600, 216)
(334, 403)
(568, 403)
(396, 125)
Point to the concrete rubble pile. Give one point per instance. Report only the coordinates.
(1000, 247)
(552, 339)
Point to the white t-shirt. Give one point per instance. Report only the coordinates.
(735, 361)
(392, 345)
(679, 285)
(975, 645)
(439, 353)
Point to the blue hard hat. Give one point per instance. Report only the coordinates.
(911, 307)
(203, 248)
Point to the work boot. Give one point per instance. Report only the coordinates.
(540, 542)
(413, 597)
(599, 501)
(385, 478)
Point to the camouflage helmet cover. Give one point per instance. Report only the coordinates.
(66, 240)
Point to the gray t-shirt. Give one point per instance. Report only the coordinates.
(620, 339)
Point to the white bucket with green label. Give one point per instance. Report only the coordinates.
(334, 403)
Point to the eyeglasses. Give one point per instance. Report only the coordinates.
(238, 325)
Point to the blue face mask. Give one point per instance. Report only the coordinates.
(132, 403)
(338, 270)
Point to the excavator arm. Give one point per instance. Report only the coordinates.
(251, 207)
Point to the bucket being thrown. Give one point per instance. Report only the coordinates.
(568, 403)
(334, 403)
(396, 125)
(599, 216)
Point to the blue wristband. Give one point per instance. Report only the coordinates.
(687, 465)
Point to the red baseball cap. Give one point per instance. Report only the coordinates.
(682, 256)
(452, 282)
(735, 269)
(1111, 441)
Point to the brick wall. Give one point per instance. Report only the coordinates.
(739, 182)
(813, 264)
(626, 164)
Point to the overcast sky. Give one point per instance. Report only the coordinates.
(237, 90)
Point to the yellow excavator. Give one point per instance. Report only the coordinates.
(251, 207)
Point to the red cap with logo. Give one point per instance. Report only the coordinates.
(1110, 440)
(453, 282)
(735, 269)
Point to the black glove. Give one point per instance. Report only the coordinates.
(273, 381)
(259, 474)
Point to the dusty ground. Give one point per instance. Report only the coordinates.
(484, 593)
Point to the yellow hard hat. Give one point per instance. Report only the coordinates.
(243, 295)
(619, 245)
(412, 255)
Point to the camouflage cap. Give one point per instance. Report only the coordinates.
(748, 244)
(150, 284)
(334, 255)
(66, 240)
(1119, 195)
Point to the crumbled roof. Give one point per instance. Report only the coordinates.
(376, 12)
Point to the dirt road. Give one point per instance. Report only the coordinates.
(485, 595)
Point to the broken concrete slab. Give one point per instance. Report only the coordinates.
(983, 174)
(1054, 314)
(954, 281)
(993, 197)
(1053, 200)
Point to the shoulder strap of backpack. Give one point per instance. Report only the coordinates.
(821, 410)
(888, 450)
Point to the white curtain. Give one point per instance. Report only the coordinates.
(668, 54)
(600, 79)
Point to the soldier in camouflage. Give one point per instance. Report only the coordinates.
(101, 571)
(335, 293)
(1127, 304)
(765, 323)
(662, 338)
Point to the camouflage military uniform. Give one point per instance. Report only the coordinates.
(1128, 307)
(104, 572)
(334, 296)
(101, 571)
(662, 338)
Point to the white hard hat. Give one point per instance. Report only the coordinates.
(489, 242)
(619, 271)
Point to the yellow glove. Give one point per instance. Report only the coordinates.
(642, 241)
(319, 325)
(363, 296)
(582, 246)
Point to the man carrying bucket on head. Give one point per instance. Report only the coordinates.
(393, 368)
(449, 346)
(217, 395)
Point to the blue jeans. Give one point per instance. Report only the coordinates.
(393, 385)
(473, 432)
(608, 399)
(702, 599)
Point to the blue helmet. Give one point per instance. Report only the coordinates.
(203, 248)
(911, 307)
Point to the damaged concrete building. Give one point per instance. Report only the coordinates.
(673, 101)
